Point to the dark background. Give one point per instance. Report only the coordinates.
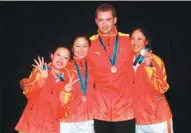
(29, 29)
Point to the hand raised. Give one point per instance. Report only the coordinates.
(69, 86)
(41, 66)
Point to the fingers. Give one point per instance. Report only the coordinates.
(39, 63)
(39, 68)
(36, 67)
(148, 55)
(36, 62)
(39, 60)
(75, 81)
(68, 87)
(42, 60)
(148, 58)
(71, 78)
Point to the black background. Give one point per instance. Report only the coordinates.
(29, 29)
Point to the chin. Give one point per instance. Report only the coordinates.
(59, 67)
(107, 33)
(82, 57)
(136, 50)
(104, 32)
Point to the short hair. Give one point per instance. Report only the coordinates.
(105, 7)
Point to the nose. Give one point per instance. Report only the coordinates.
(80, 50)
(104, 22)
(136, 41)
(61, 59)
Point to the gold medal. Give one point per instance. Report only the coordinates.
(113, 69)
(84, 99)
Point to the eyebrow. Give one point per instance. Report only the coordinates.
(82, 44)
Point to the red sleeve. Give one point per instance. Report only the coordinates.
(32, 84)
(157, 75)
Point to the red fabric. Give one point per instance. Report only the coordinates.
(113, 94)
(41, 112)
(150, 104)
(81, 111)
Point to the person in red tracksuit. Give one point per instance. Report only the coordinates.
(152, 111)
(42, 92)
(80, 90)
(109, 51)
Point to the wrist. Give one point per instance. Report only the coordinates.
(44, 75)
(68, 88)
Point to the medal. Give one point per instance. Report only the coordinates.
(45, 73)
(83, 85)
(140, 57)
(113, 69)
(84, 99)
(113, 59)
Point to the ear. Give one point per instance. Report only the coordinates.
(96, 20)
(115, 20)
(147, 42)
(51, 56)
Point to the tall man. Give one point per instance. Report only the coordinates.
(110, 52)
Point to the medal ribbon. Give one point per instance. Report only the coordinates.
(59, 76)
(114, 58)
(83, 85)
(140, 57)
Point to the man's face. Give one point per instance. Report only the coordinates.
(105, 22)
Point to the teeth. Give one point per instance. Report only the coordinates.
(58, 63)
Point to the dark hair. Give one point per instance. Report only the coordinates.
(54, 50)
(145, 33)
(105, 7)
(81, 35)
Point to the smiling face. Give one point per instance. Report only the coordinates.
(80, 47)
(106, 22)
(138, 41)
(60, 58)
